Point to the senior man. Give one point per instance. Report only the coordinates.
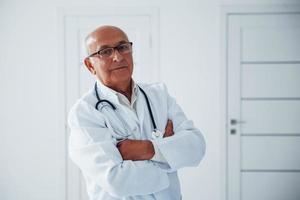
(128, 139)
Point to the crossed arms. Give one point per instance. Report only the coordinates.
(141, 149)
(109, 165)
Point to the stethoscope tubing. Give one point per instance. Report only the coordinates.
(149, 108)
(114, 107)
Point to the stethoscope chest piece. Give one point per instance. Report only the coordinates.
(157, 134)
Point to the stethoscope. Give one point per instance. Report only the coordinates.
(155, 133)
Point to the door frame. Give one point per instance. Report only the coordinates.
(71, 176)
(225, 12)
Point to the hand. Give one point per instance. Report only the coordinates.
(169, 129)
(136, 149)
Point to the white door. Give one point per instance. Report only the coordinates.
(140, 25)
(263, 104)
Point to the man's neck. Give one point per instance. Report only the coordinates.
(125, 89)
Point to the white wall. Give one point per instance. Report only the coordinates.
(31, 131)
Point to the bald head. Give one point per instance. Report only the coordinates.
(94, 38)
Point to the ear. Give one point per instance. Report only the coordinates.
(89, 65)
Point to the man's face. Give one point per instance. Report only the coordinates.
(117, 68)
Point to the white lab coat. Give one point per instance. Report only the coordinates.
(93, 139)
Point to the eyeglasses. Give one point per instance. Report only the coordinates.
(122, 48)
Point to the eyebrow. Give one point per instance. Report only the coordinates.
(107, 46)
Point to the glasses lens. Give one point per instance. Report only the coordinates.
(106, 52)
(124, 48)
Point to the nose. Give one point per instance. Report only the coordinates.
(117, 57)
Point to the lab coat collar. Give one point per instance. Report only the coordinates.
(112, 95)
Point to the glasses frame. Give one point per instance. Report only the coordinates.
(115, 48)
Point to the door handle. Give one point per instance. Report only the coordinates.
(234, 122)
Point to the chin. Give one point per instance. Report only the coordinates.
(123, 78)
(122, 74)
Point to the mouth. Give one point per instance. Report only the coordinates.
(119, 67)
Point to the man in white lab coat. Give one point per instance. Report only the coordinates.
(128, 139)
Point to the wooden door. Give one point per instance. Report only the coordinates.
(263, 104)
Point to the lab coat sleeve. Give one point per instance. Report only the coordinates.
(158, 157)
(187, 146)
(93, 150)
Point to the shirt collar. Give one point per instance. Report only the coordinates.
(116, 97)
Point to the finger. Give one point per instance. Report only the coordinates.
(121, 142)
(169, 129)
(169, 126)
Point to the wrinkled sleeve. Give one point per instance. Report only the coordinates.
(93, 149)
(187, 146)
